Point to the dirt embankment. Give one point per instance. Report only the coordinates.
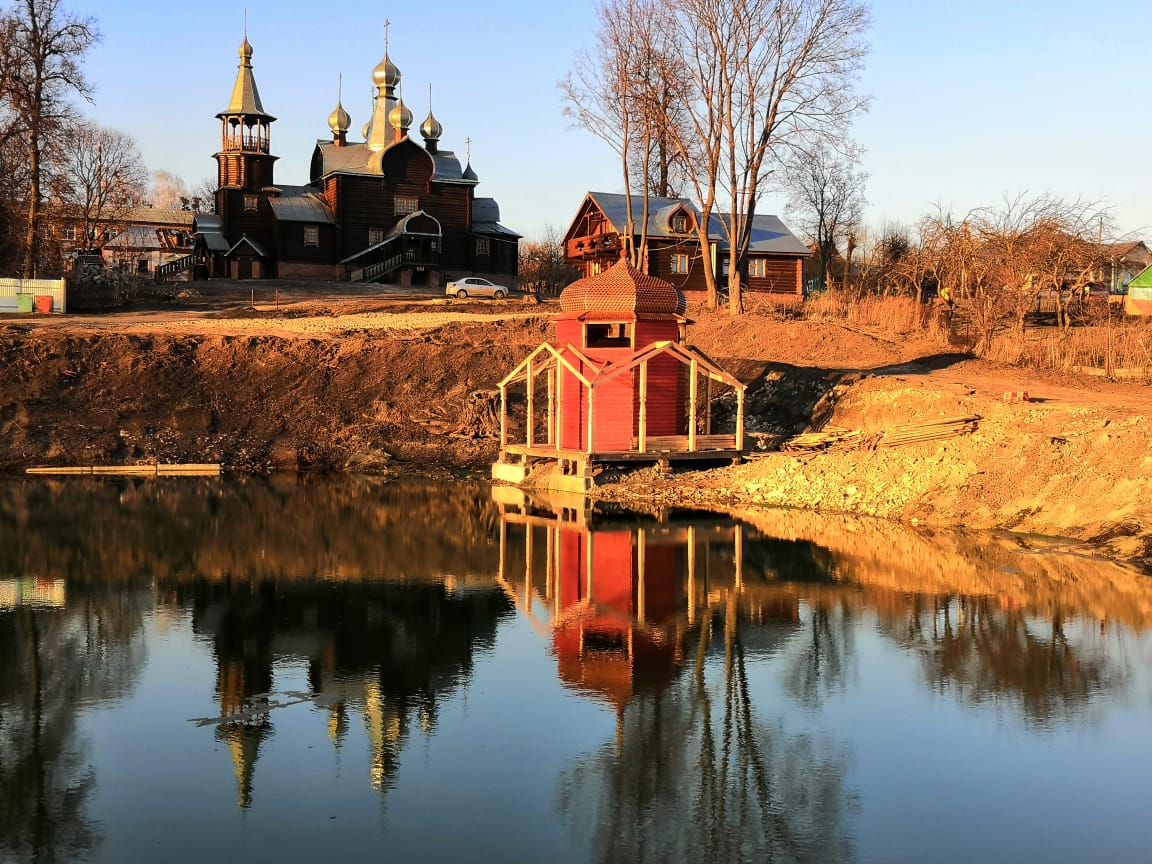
(350, 383)
(367, 398)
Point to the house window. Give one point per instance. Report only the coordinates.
(757, 268)
(375, 235)
(481, 245)
(403, 206)
(680, 223)
(251, 202)
(680, 263)
(311, 235)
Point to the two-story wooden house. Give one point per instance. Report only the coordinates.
(596, 238)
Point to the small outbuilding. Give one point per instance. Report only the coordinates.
(617, 386)
(1138, 301)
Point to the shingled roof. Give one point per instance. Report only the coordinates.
(623, 288)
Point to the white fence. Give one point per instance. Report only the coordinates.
(11, 289)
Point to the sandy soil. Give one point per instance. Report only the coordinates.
(327, 377)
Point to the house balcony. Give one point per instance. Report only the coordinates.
(593, 246)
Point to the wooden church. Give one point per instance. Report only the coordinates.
(385, 209)
(617, 386)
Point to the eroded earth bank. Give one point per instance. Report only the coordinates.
(387, 386)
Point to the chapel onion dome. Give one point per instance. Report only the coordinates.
(245, 52)
(400, 117)
(469, 174)
(431, 128)
(339, 120)
(386, 74)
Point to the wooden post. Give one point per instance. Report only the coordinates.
(591, 425)
(691, 574)
(643, 431)
(552, 405)
(740, 419)
(560, 405)
(503, 416)
(531, 433)
(640, 575)
(708, 404)
(692, 384)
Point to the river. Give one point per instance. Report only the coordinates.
(294, 669)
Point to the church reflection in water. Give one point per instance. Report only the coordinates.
(389, 652)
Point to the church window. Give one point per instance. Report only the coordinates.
(482, 246)
(311, 235)
(250, 202)
(403, 205)
(680, 263)
(757, 268)
(375, 235)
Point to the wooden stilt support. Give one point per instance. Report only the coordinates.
(740, 419)
(642, 437)
(693, 374)
(552, 406)
(503, 416)
(530, 423)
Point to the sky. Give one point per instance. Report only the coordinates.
(969, 102)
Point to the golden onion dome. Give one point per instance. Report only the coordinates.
(339, 121)
(431, 128)
(400, 116)
(386, 74)
(366, 131)
(245, 51)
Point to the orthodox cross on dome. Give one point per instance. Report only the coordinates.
(468, 147)
(387, 24)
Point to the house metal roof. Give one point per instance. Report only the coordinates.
(769, 234)
(495, 229)
(356, 159)
(301, 204)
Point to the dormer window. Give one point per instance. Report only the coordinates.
(680, 222)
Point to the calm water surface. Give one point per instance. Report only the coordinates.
(276, 671)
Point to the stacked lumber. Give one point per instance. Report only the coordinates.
(937, 430)
(833, 437)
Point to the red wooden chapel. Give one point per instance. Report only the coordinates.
(619, 385)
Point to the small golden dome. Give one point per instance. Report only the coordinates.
(400, 116)
(339, 121)
(431, 128)
(386, 74)
(366, 130)
(245, 51)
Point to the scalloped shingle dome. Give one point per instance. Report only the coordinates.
(623, 288)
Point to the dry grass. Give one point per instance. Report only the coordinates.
(1119, 348)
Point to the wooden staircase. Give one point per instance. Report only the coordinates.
(170, 270)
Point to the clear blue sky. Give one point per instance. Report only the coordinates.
(969, 101)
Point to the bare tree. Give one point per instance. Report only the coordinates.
(826, 196)
(543, 270)
(103, 177)
(169, 192)
(630, 92)
(42, 45)
(768, 77)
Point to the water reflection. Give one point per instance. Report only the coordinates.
(55, 661)
(387, 652)
(659, 619)
(355, 616)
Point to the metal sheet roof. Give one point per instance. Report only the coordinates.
(769, 234)
(301, 204)
(215, 241)
(350, 157)
(495, 229)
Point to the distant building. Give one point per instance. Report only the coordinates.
(385, 209)
(1125, 261)
(595, 240)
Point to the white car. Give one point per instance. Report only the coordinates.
(474, 286)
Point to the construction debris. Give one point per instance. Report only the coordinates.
(836, 438)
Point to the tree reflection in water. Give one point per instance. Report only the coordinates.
(696, 774)
(985, 651)
(57, 661)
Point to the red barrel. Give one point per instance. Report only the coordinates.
(43, 302)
